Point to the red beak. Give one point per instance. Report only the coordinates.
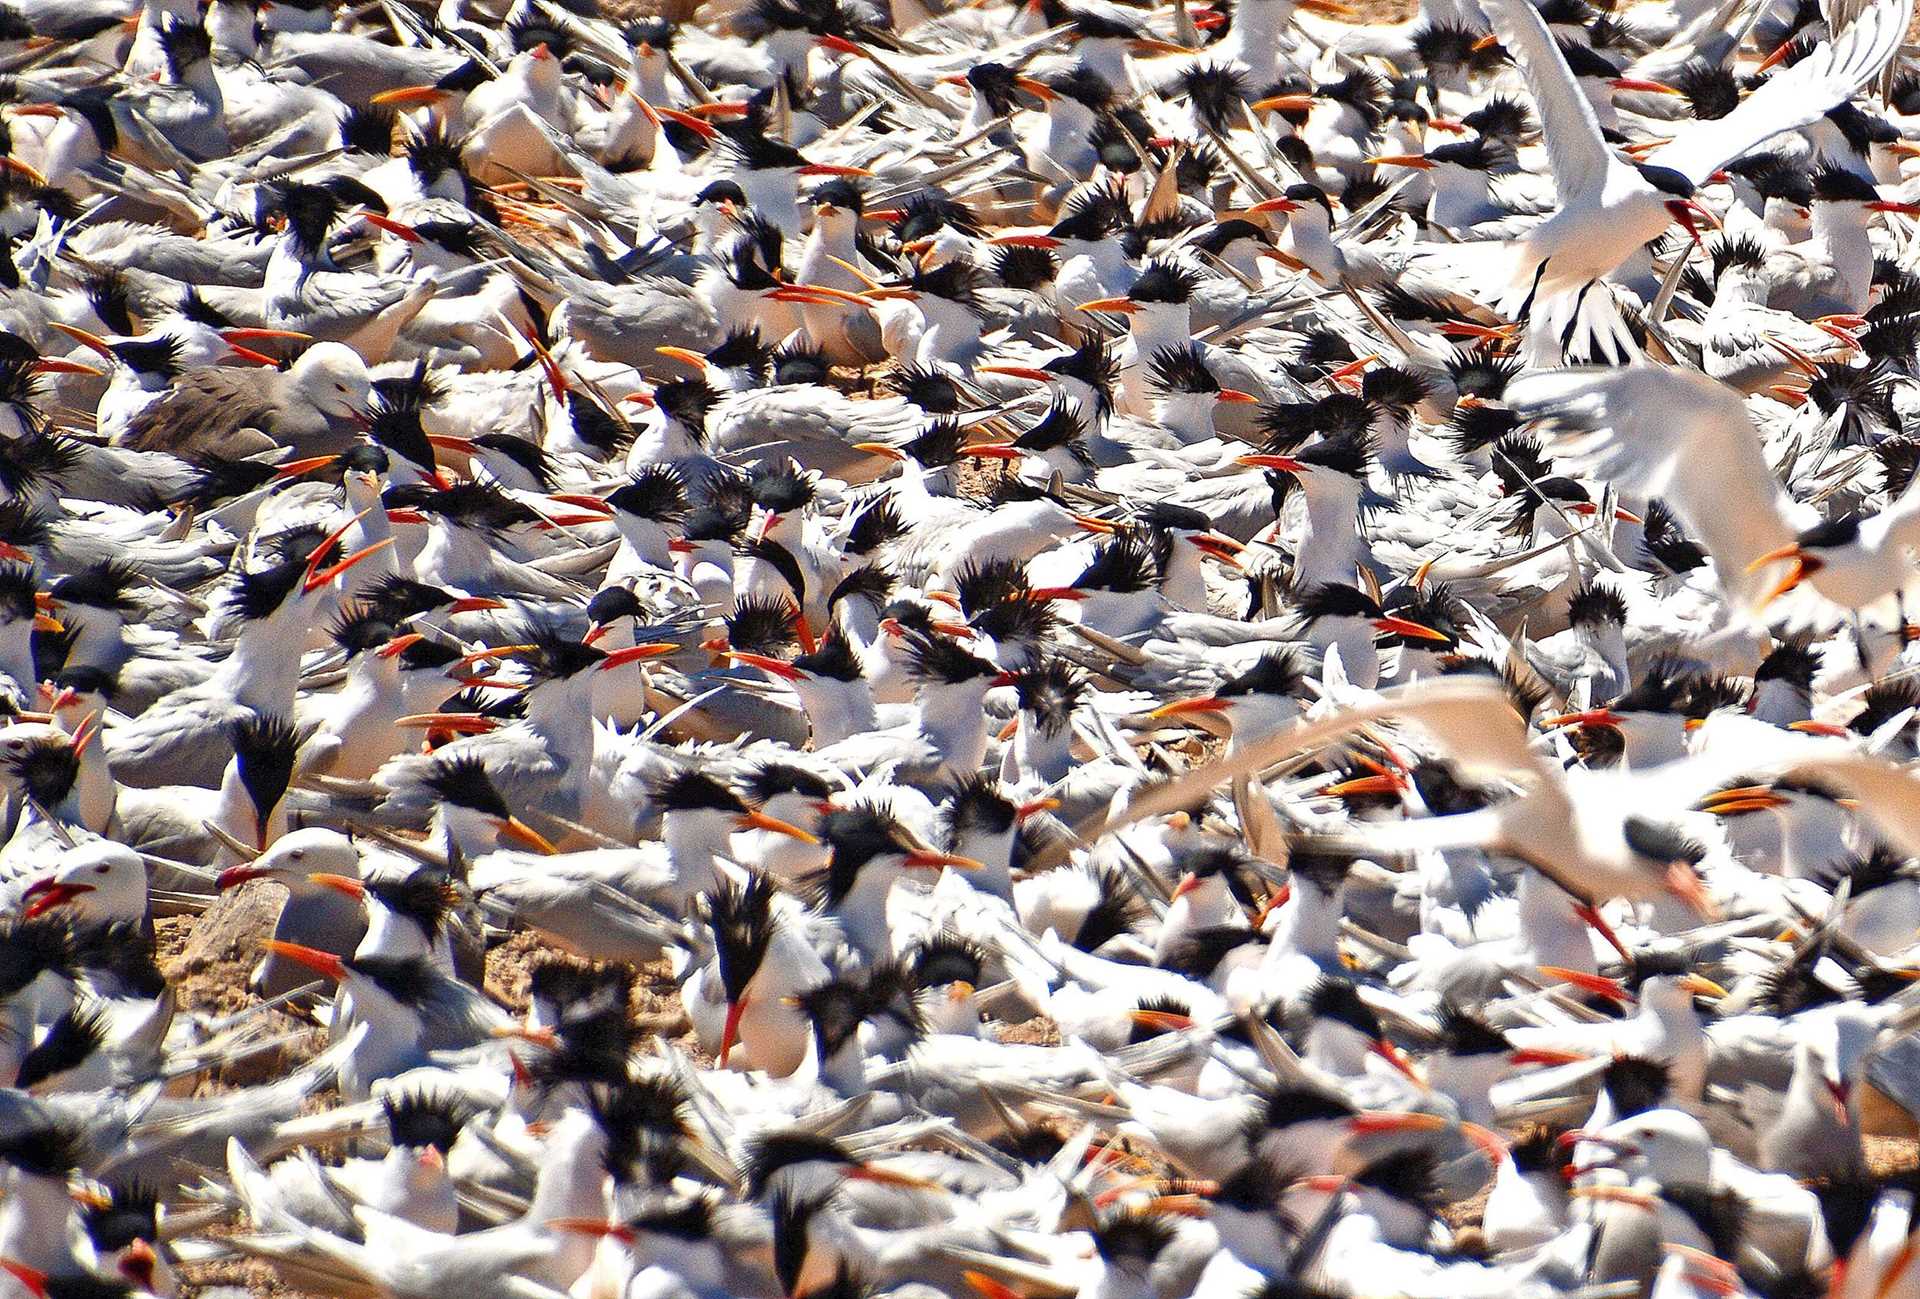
(731, 1033)
(46, 895)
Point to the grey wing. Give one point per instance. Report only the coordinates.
(182, 742)
(1648, 429)
(818, 426)
(626, 323)
(1795, 97)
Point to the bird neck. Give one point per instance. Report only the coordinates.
(1814, 833)
(1781, 703)
(647, 79)
(644, 540)
(561, 714)
(773, 194)
(1042, 754)
(951, 336)
(1840, 234)
(461, 834)
(230, 25)
(1160, 324)
(694, 839)
(287, 272)
(263, 670)
(1460, 196)
(16, 653)
(1653, 740)
(1313, 242)
(1608, 640)
(571, 1182)
(33, 1222)
(831, 237)
(1332, 545)
(837, 710)
(1309, 926)
(389, 935)
(842, 1070)
(994, 852)
(862, 910)
(1188, 416)
(1338, 1049)
(953, 722)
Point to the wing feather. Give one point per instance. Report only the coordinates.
(1796, 96)
(1568, 126)
(1653, 430)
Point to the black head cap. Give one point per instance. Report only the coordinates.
(1165, 280)
(1277, 672)
(692, 790)
(741, 917)
(937, 660)
(656, 492)
(1593, 605)
(421, 1119)
(463, 781)
(1835, 184)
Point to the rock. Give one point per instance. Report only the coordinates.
(233, 927)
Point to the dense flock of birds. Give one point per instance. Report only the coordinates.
(1129, 652)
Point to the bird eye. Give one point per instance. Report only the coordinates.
(102, 869)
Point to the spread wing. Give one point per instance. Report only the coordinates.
(1889, 796)
(1652, 430)
(1568, 127)
(1794, 97)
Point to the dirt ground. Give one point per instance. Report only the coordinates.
(215, 984)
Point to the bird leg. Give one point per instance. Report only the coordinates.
(1526, 307)
(1573, 320)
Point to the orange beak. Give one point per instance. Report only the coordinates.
(1644, 85)
(345, 885)
(1590, 717)
(934, 859)
(399, 229)
(1283, 104)
(1188, 707)
(758, 820)
(684, 355)
(409, 97)
(652, 649)
(322, 963)
(53, 365)
(518, 831)
(778, 667)
(1419, 160)
(1597, 984)
(1402, 627)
